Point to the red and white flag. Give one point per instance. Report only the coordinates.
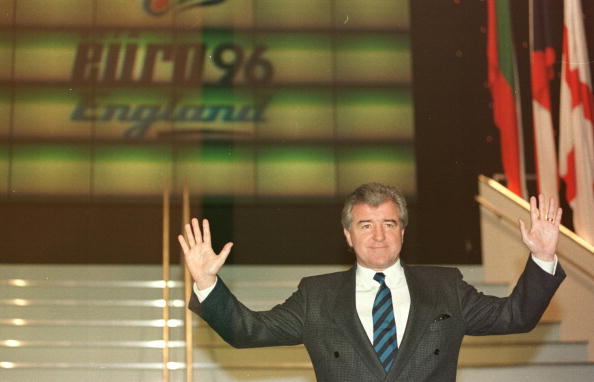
(576, 143)
(542, 59)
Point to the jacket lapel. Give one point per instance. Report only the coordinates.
(346, 317)
(420, 316)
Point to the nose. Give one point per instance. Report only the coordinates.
(378, 233)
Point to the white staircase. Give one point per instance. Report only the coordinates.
(65, 323)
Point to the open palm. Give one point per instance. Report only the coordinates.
(203, 263)
(543, 235)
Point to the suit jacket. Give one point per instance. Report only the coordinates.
(322, 315)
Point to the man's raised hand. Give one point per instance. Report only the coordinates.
(203, 263)
(543, 235)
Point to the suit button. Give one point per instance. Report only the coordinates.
(436, 352)
(336, 354)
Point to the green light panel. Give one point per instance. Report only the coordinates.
(131, 171)
(61, 170)
(374, 114)
(4, 170)
(385, 164)
(5, 107)
(217, 169)
(366, 15)
(298, 113)
(62, 13)
(43, 112)
(362, 59)
(6, 15)
(41, 55)
(6, 49)
(296, 171)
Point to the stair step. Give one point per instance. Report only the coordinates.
(95, 272)
(261, 294)
(226, 356)
(553, 372)
(97, 310)
(104, 273)
(94, 333)
(74, 292)
(543, 332)
(505, 353)
(31, 329)
(154, 374)
(577, 372)
(205, 336)
(215, 355)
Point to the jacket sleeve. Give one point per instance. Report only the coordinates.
(520, 312)
(241, 327)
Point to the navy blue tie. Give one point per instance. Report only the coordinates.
(384, 326)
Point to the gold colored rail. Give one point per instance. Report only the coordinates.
(566, 258)
(166, 261)
(187, 289)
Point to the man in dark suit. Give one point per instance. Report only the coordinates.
(381, 320)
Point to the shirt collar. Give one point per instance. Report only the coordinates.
(364, 276)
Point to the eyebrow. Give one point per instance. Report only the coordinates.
(385, 220)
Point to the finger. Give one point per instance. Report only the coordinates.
(523, 228)
(534, 214)
(225, 252)
(190, 236)
(206, 227)
(552, 212)
(197, 233)
(543, 207)
(183, 243)
(558, 216)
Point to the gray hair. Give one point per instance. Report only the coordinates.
(373, 194)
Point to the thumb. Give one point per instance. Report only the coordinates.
(225, 253)
(523, 228)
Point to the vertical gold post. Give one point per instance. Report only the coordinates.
(166, 283)
(187, 290)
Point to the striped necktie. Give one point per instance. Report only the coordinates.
(384, 326)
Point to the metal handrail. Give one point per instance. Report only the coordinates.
(187, 286)
(165, 355)
(567, 232)
(187, 289)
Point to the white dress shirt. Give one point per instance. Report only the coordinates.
(366, 289)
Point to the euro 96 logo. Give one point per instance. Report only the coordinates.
(161, 7)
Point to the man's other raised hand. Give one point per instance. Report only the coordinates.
(203, 263)
(543, 235)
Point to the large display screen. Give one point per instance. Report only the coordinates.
(246, 98)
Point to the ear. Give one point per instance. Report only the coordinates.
(402, 235)
(347, 235)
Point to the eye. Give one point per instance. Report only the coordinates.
(391, 225)
(366, 226)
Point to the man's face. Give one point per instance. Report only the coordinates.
(376, 234)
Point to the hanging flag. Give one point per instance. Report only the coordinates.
(505, 93)
(576, 143)
(542, 59)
